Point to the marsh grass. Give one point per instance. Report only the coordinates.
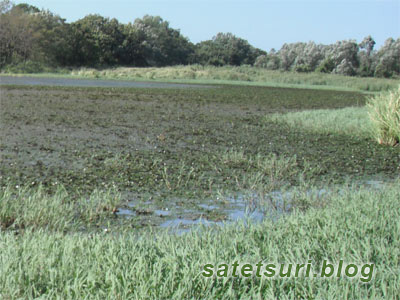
(267, 172)
(241, 75)
(32, 207)
(357, 225)
(351, 121)
(384, 111)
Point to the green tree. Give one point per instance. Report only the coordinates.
(365, 56)
(27, 33)
(159, 44)
(17, 34)
(227, 49)
(97, 41)
(388, 59)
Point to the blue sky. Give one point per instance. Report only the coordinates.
(265, 24)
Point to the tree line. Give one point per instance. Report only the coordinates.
(33, 37)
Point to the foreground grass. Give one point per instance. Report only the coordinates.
(358, 226)
(25, 207)
(244, 75)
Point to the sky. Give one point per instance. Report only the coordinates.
(265, 24)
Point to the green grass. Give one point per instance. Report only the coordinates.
(358, 226)
(27, 207)
(244, 75)
(350, 121)
(384, 110)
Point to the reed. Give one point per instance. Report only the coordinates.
(384, 111)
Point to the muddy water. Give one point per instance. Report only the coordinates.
(45, 81)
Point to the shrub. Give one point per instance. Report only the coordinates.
(384, 111)
(326, 66)
(27, 67)
(303, 68)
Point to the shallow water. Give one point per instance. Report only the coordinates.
(45, 81)
(240, 208)
(213, 212)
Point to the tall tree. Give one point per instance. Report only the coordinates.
(388, 59)
(227, 49)
(16, 34)
(97, 41)
(161, 44)
(365, 56)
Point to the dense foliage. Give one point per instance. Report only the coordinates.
(32, 39)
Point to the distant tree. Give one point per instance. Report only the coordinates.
(345, 68)
(388, 59)
(366, 56)
(288, 54)
(344, 56)
(27, 33)
(368, 44)
(97, 41)
(309, 57)
(160, 44)
(27, 8)
(274, 62)
(53, 39)
(326, 66)
(227, 49)
(30, 36)
(16, 34)
(207, 53)
(261, 61)
(133, 50)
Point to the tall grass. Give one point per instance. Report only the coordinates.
(352, 121)
(358, 226)
(27, 207)
(384, 111)
(242, 75)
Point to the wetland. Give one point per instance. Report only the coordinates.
(180, 156)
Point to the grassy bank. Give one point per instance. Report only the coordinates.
(244, 75)
(358, 226)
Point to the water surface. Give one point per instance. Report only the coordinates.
(47, 81)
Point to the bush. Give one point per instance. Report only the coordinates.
(26, 67)
(384, 111)
(303, 68)
(326, 66)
